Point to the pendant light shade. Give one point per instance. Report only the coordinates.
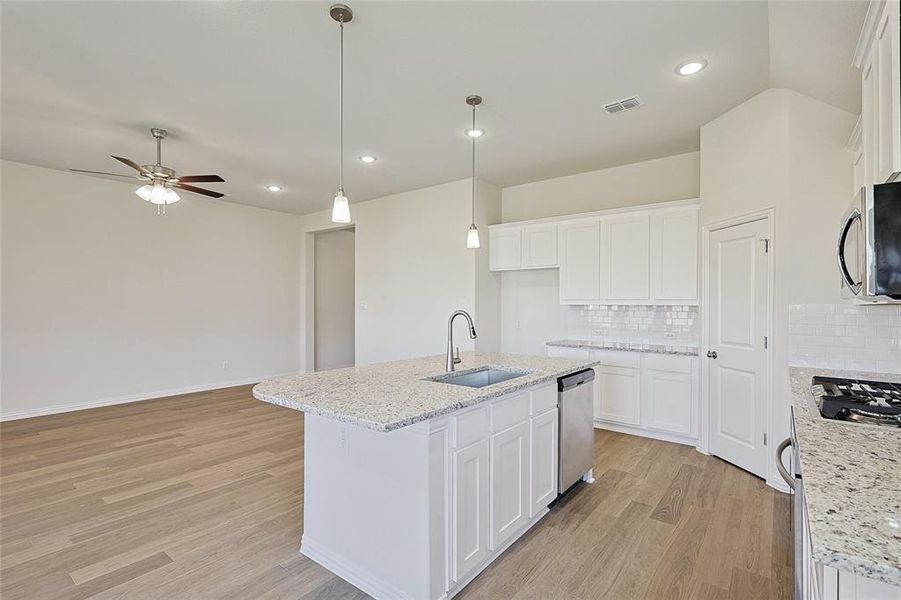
(472, 236)
(340, 205)
(340, 209)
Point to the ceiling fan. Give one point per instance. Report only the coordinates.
(159, 180)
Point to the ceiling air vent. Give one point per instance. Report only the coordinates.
(623, 105)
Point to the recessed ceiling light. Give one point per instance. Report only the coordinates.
(691, 67)
(368, 159)
(475, 132)
(274, 188)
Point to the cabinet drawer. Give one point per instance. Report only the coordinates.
(631, 360)
(509, 411)
(543, 398)
(469, 427)
(662, 362)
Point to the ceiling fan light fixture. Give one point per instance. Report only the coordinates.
(171, 196)
(158, 194)
(143, 192)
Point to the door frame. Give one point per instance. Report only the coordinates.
(768, 215)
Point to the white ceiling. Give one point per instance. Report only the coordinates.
(248, 90)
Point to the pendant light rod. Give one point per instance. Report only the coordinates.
(343, 14)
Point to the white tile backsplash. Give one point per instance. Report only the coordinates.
(845, 336)
(650, 324)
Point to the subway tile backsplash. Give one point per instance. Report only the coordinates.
(845, 336)
(618, 323)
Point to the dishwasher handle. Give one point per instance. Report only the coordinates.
(568, 382)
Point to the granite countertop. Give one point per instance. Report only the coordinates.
(852, 484)
(391, 395)
(683, 349)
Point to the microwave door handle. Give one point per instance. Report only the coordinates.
(854, 215)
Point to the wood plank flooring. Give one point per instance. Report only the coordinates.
(200, 497)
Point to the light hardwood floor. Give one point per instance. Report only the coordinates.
(200, 497)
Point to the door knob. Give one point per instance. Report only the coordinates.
(711, 354)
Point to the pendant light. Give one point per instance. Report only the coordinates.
(472, 236)
(340, 206)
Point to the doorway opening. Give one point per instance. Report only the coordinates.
(333, 299)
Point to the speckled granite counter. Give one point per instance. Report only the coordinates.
(852, 484)
(388, 396)
(684, 350)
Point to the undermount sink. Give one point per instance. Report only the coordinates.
(479, 378)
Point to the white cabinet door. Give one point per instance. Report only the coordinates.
(674, 257)
(869, 110)
(579, 250)
(628, 257)
(885, 54)
(539, 246)
(617, 394)
(668, 399)
(505, 248)
(543, 462)
(470, 509)
(509, 483)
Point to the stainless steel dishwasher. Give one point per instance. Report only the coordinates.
(576, 440)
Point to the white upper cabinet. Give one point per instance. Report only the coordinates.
(539, 246)
(674, 256)
(879, 58)
(579, 250)
(646, 255)
(628, 258)
(885, 53)
(505, 248)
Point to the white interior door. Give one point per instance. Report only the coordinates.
(737, 293)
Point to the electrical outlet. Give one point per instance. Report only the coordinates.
(225, 365)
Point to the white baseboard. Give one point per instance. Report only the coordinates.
(126, 399)
(353, 574)
(648, 433)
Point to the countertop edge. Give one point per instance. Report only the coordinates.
(394, 425)
(663, 349)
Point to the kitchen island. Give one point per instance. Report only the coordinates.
(413, 485)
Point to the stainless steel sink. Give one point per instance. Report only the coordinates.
(479, 378)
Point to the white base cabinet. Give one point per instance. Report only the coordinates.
(654, 395)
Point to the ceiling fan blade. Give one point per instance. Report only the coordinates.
(102, 173)
(201, 178)
(197, 190)
(131, 164)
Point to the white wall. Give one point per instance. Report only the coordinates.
(104, 301)
(413, 270)
(783, 150)
(670, 178)
(334, 299)
(531, 313)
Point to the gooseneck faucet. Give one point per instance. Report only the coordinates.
(451, 359)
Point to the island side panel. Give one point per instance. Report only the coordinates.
(375, 506)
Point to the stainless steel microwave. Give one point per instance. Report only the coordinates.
(869, 245)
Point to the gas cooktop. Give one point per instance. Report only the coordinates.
(858, 400)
